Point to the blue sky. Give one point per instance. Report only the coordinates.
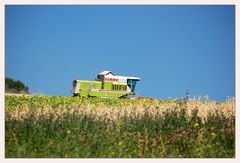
(171, 48)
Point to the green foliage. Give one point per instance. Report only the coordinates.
(53, 127)
(12, 86)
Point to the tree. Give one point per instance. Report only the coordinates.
(12, 86)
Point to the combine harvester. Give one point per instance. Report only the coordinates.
(106, 85)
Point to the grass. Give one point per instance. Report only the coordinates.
(67, 127)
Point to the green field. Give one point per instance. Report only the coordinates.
(74, 127)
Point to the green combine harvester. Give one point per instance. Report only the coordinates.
(106, 85)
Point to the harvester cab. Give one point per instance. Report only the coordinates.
(106, 76)
(106, 84)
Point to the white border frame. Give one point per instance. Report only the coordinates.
(115, 2)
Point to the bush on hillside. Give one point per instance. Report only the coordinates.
(15, 86)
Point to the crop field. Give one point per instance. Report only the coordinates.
(74, 127)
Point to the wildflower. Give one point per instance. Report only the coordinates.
(213, 134)
(177, 150)
(209, 146)
(196, 125)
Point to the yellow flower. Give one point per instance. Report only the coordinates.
(213, 134)
(196, 125)
(120, 143)
(209, 146)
